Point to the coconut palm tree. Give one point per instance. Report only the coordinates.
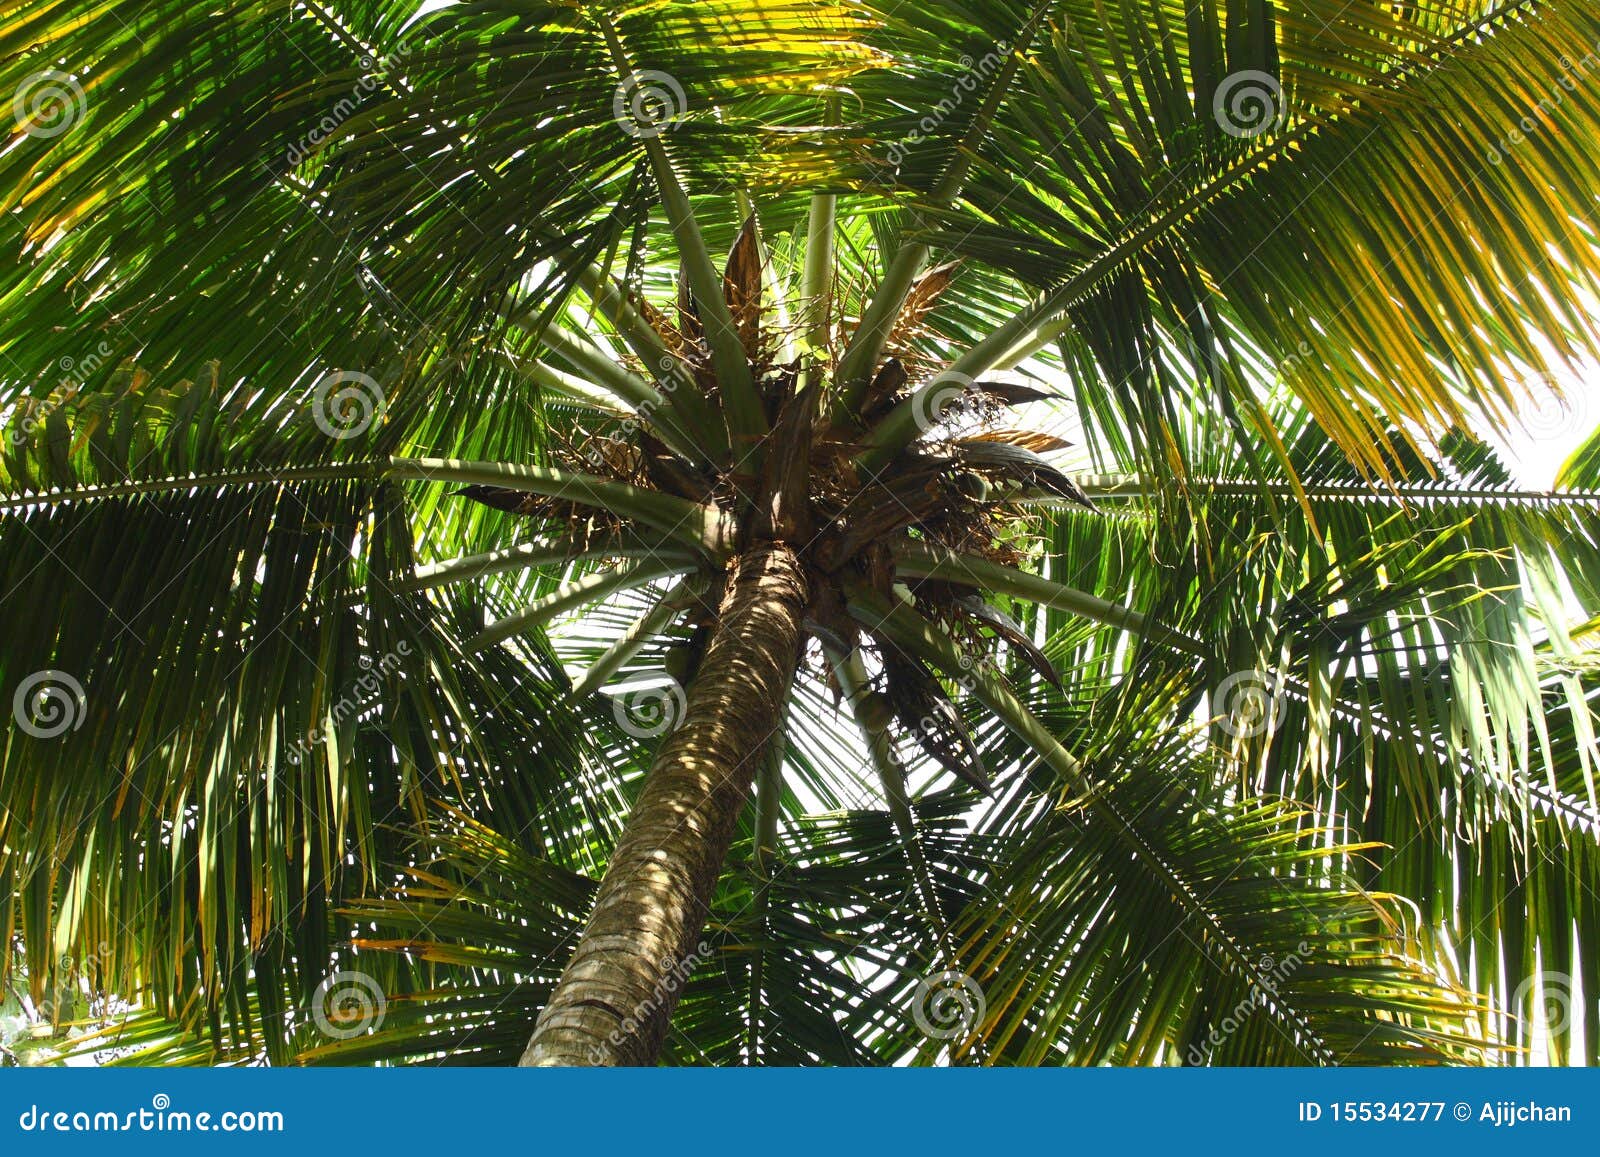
(801, 532)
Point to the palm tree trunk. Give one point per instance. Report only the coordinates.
(612, 1003)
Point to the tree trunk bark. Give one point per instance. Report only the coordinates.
(616, 995)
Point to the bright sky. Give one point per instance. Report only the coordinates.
(1554, 428)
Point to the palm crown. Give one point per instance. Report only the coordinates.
(1025, 455)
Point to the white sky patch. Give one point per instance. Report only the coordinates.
(1553, 427)
(426, 7)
